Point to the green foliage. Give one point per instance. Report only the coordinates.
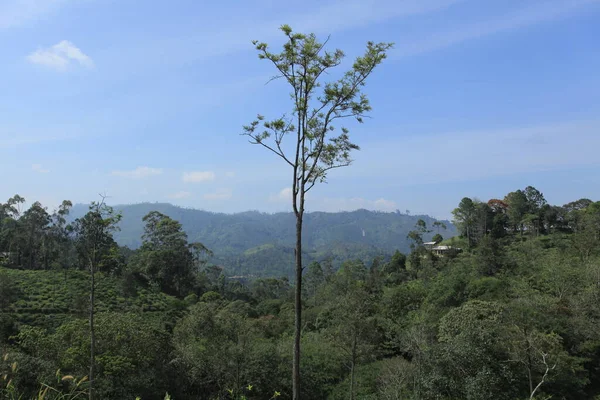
(513, 316)
(465, 217)
(96, 248)
(166, 259)
(517, 209)
(302, 63)
(394, 272)
(49, 298)
(260, 244)
(129, 353)
(61, 387)
(219, 345)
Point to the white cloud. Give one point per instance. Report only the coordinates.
(38, 168)
(355, 203)
(198, 176)
(60, 56)
(532, 15)
(219, 194)
(180, 195)
(284, 195)
(385, 205)
(14, 13)
(138, 173)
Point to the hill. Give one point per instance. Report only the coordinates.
(50, 298)
(260, 243)
(519, 304)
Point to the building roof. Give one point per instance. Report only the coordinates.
(442, 248)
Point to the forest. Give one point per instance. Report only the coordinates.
(262, 244)
(511, 315)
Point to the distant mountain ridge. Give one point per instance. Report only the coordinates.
(252, 241)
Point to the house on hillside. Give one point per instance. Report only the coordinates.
(445, 250)
(441, 250)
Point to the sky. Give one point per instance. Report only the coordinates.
(145, 102)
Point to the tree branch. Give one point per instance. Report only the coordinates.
(548, 369)
(280, 154)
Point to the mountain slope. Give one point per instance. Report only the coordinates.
(258, 242)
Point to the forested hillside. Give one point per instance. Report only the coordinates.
(261, 244)
(511, 315)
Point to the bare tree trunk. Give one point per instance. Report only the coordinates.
(352, 364)
(548, 369)
(30, 245)
(530, 380)
(237, 377)
(92, 333)
(469, 236)
(298, 309)
(529, 367)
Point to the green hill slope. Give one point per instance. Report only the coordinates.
(239, 241)
(49, 298)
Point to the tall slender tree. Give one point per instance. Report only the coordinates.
(10, 231)
(95, 242)
(438, 225)
(517, 209)
(60, 243)
(36, 222)
(166, 258)
(465, 217)
(316, 147)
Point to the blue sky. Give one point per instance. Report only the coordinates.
(146, 103)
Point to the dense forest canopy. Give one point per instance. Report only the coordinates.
(262, 244)
(512, 315)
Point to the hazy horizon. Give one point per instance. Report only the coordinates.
(402, 212)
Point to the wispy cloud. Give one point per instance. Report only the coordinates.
(10, 139)
(333, 17)
(39, 168)
(138, 173)
(526, 16)
(329, 17)
(219, 194)
(60, 56)
(14, 13)
(342, 14)
(21, 133)
(474, 155)
(198, 176)
(180, 195)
